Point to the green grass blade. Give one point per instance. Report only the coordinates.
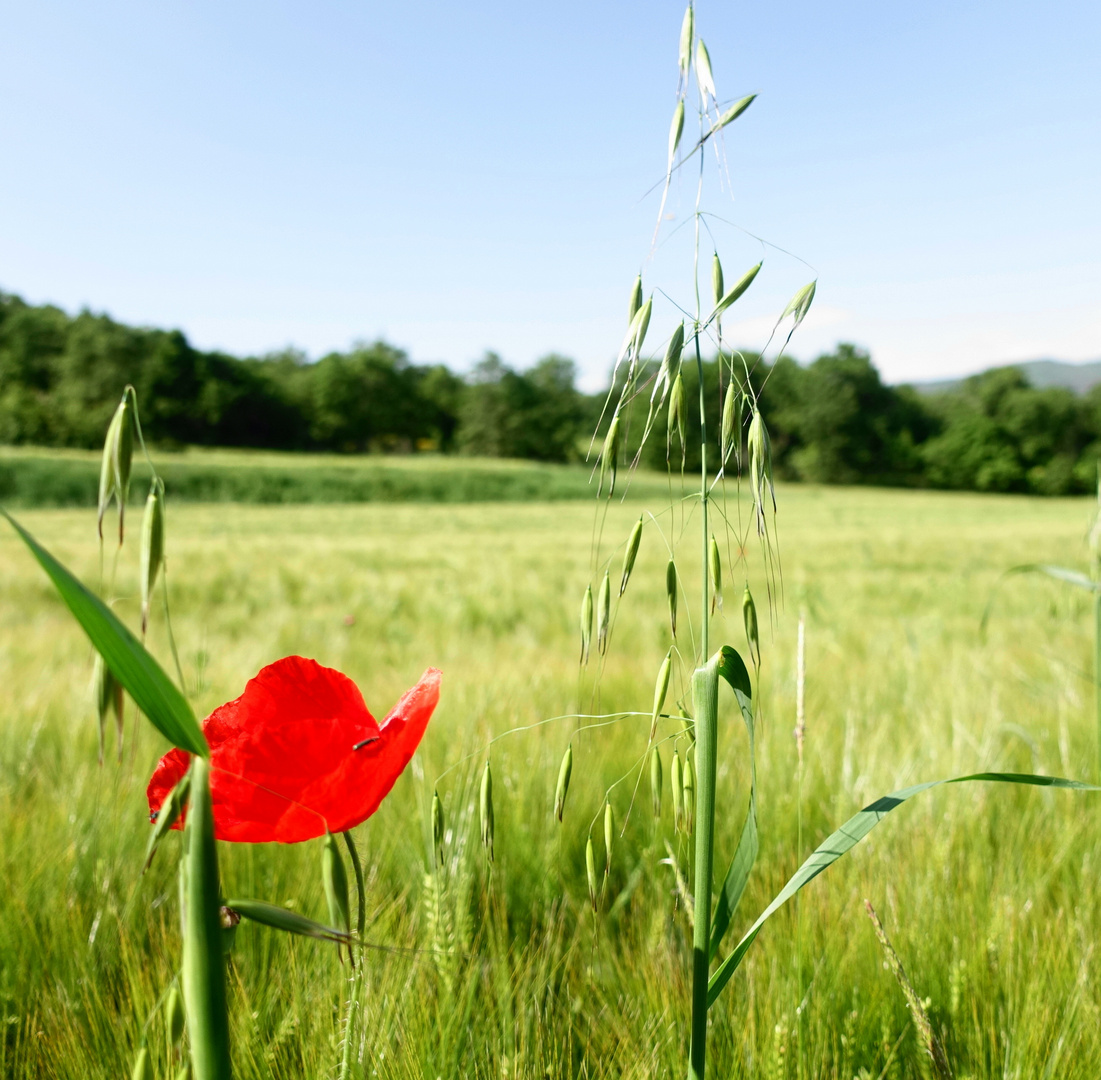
(733, 669)
(846, 838)
(144, 679)
(279, 918)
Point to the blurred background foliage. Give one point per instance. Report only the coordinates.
(831, 421)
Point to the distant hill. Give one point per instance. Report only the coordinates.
(1040, 373)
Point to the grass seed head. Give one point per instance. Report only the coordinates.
(485, 811)
(586, 623)
(609, 457)
(687, 31)
(717, 279)
(152, 546)
(609, 835)
(174, 1016)
(760, 467)
(143, 1067)
(800, 303)
(676, 787)
(661, 688)
(107, 691)
(715, 567)
(437, 827)
(335, 879)
(734, 112)
(703, 69)
(643, 324)
(655, 781)
(671, 594)
(630, 554)
(749, 617)
(676, 128)
(590, 872)
(118, 454)
(736, 290)
(636, 300)
(565, 770)
(730, 438)
(677, 416)
(603, 613)
(689, 794)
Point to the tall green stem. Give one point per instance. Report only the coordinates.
(357, 975)
(204, 975)
(705, 699)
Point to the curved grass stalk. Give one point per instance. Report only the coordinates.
(847, 837)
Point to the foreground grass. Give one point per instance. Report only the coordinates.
(989, 894)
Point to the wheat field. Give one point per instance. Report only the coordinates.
(989, 894)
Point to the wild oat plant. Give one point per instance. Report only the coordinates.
(648, 395)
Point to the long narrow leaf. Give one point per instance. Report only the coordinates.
(846, 838)
(279, 918)
(144, 679)
(733, 669)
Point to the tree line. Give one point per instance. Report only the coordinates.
(831, 421)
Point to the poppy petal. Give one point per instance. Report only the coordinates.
(283, 765)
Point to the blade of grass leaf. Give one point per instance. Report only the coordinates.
(846, 838)
(144, 679)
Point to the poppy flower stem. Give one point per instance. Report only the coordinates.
(357, 976)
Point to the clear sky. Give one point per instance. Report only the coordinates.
(468, 176)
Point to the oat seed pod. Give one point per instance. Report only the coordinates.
(564, 772)
(590, 872)
(118, 453)
(603, 613)
(689, 794)
(661, 688)
(715, 567)
(749, 616)
(687, 29)
(760, 467)
(703, 69)
(437, 828)
(675, 130)
(143, 1068)
(174, 1016)
(586, 623)
(635, 301)
(676, 786)
(485, 811)
(717, 278)
(671, 594)
(676, 421)
(609, 836)
(655, 781)
(107, 691)
(609, 457)
(335, 879)
(152, 546)
(643, 325)
(630, 554)
(731, 428)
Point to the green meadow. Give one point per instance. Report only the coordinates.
(988, 892)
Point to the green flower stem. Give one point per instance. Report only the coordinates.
(705, 699)
(204, 975)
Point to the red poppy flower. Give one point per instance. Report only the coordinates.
(298, 752)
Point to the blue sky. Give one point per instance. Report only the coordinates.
(460, 177)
